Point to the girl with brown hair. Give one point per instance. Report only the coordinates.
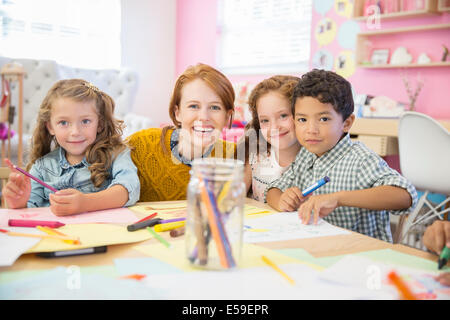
(202, 104)
(270, 141)
(77, 149)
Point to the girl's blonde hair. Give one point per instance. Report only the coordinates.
(108, 142)
(282, 84)
(216, 80)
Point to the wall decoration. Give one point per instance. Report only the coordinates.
(380, 56)
(423, 58)
(347, 34)
(323, 59)
(344, 63)
(323, 6)
(325, 31)
(412, 94)
(401, 56)
(343, 8)
(444, 54)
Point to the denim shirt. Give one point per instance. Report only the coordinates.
(55, 170)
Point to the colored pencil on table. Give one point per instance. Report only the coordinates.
(277, 269)
(50, 231)
(32, 235)
(158, 237)
(147, 217)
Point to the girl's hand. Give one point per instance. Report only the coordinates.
(17, 190)
(291, 199)
(68, 201)
(318, 206)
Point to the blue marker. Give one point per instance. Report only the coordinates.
(315, 186)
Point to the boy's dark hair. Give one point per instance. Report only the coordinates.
(327, 87)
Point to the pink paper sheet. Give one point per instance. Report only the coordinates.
(119, 216)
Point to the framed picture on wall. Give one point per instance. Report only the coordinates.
(380, 56)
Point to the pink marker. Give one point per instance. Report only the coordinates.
(34, 223)
(29, 175)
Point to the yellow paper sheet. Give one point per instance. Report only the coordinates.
(165, 211)
(91, 235)
(251, 256)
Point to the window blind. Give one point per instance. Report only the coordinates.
(264, 36)
(79, 33)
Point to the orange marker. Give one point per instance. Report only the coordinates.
(401, 286)
(134, 276)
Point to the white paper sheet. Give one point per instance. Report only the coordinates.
(257, 283)
(286, 226)
(119, 215)
(361, 272)
(12, 247)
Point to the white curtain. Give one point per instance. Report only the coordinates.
(80, 33)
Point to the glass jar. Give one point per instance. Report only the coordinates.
(214, 222)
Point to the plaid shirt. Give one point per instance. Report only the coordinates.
(350, 166)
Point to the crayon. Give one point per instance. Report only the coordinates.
(169, 226)
(177, 232)
(34, 223)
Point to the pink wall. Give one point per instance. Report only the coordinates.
(196, 33)
(434, 98)
(197, 37)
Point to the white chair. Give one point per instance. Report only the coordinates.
(424, 146)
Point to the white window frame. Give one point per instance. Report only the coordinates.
(78, 33)
(238, 34)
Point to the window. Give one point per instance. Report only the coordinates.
(79, 33)
(264, 36)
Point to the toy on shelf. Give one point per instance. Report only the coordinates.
(11, 72)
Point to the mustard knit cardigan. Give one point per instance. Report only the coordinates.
(162, 176)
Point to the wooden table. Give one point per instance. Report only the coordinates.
(381, 135)
(317, 247)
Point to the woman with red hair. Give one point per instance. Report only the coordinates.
(202, 104)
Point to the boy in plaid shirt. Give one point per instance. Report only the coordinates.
(363, 189)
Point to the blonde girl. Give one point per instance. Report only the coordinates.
(76, 148)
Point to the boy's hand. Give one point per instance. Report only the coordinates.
(318, 206)
(66, 202)
(17, 190)
(444, 279)
(437, 236)
(291, 199)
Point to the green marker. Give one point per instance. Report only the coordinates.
(158, 237)
(444, 257)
